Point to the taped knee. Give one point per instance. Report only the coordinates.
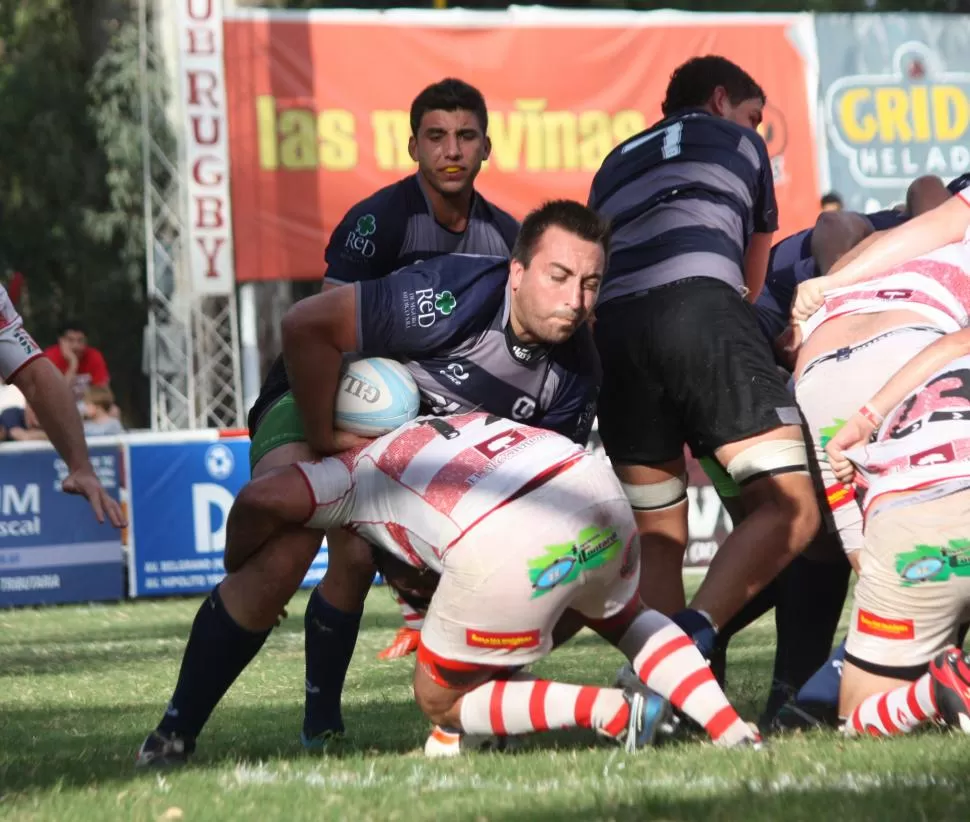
(769, 459)
(657, 496)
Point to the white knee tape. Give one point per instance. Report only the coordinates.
(768, 459)
(657, 495)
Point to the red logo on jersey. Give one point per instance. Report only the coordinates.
(875, 625)
(505, 641)
(499, 443)
(839, 495)
(934, 456)
(894, 294)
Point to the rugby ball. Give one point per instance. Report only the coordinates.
(374, 396)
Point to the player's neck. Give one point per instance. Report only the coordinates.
(450, 211)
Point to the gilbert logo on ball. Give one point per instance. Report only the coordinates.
(375, 396)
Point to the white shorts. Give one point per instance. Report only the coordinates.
(832, 388)
(914, 586)
(572, 543)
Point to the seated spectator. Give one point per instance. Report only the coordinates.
(98, 412)
(21, 424)
(831, 202)
(80, 363)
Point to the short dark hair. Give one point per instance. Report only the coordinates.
(449, 94)
(566, 214)
(831, 197)
(692, 84)
(72, 325)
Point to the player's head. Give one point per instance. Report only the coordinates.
(74, 335)
(831, 202)
(556, 270)
(718, 85)
(924, 194)
(448, 141)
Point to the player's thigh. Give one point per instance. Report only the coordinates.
(638, 420)
(914, 585)
(506, 584)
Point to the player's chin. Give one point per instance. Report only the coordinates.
(452, 183)
(559, 330)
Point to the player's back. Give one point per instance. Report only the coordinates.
(420, 488)
(925, 439)
(684, 198)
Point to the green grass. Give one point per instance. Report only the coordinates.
(80, 687)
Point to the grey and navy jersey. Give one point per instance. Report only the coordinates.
(396, 226)
(684, 198)
(447, 320)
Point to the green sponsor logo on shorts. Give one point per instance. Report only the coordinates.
(826, 434)
(562, 564)
(934, 563)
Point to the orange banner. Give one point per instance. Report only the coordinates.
(318, 114)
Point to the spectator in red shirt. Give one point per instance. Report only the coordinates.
(80, 363)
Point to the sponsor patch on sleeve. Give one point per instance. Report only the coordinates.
(838, 495)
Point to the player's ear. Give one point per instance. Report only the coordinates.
(719, 101)
(516, 271)
(487, 142)
(413, 147)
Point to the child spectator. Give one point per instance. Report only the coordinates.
(97, 412)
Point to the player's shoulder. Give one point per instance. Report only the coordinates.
(385, 202)
(506, 224)
(578, 355)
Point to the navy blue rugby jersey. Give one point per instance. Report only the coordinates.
(396, 226)
(684, 198)
(447, 320)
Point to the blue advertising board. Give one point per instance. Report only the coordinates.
(52, 549)
(181, 493)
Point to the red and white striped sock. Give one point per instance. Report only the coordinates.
(522, 704)
(412, 619)
(666, 659)
(894, 712)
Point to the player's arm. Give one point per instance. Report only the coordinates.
(317, 332)
(945, 224)
(765, 225)
(913, 374)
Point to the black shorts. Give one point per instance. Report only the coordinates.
(685, 363)
(274, 386)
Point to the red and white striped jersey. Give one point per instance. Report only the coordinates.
(417, 490)
(17, 347)
(936, 285)
(924, 441)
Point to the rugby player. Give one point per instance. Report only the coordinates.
(851, 345)
(476, 332)
(23, 364)
(434, 211)
(693, 210)
(521, 524)
(911, 444)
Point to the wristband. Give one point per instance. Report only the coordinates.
(871, 415)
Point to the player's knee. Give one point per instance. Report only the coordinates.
(350, 556)
(657, 496)
(436, 703)
(776, 473)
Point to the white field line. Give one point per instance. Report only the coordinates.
(429, 778)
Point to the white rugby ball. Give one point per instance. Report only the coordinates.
(375, 396)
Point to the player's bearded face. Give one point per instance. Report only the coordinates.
(449, 148)
(555, 294)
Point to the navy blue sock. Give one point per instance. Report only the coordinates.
(823, 686)
(698, 627)
(330, 638)
(217, 652)
(810, 599)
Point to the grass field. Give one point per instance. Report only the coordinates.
(80, 687)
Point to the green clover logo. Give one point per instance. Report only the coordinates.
(366, 225)
(445, 302)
